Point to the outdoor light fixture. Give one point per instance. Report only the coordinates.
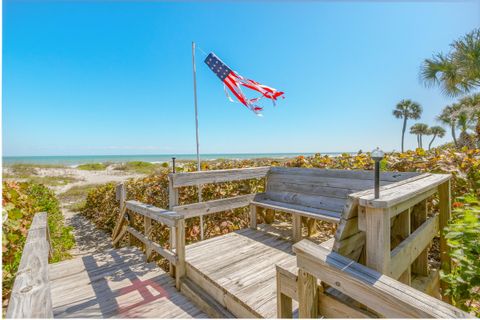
(173, 164)
(377, 156)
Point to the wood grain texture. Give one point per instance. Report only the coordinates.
(403, 192)
(445, 206)
(238, 269)
(214, 176)
(407, 251)
(344, 174)
(379, 292)
(121, 197)
(309, 212)
(31, 295)
(214, 206)
(419, 216)
(167, 254)
(116, 284)
(163, 216)
(377, 242)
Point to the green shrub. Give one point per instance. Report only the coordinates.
(92, 166)
(140, 167)
(463, 239)
(20, 203)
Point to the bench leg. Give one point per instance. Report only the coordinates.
(253, 217)
(297, 227)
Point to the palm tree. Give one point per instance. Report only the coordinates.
(464, 123)
(449, 117)
(407, 109)
(419, 129)
(471, 106)
(457, 72)
(436, 131)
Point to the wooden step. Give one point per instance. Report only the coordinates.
(203, 300)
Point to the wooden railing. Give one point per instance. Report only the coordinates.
(380, 293)
(175, 222)
(398, 232)
(31, 297)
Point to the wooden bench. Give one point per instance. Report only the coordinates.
(320, 194)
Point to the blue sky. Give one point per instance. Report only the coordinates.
(115, 78)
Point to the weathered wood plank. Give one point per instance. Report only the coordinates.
(344, 174)
(400, 230)
(166, 217)
(315, 213)
(180, 253)
(409, 249)
(307, 295)
(120, 196)
(377, 223)
(379, 292)
(419, 216)
(167, 254)
(214, 206)
(253, 216)
(404, 192)
(445, 206)
(31, 296)
(284, 301)
(313, 201)
(214, 176)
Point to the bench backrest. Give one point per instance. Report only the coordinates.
(330, 189)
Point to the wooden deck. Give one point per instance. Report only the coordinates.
(238, 270)
(116, 283)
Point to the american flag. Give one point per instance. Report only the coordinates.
(234, 81)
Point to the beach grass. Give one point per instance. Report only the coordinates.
(76, 194)
(93, 166)
(139, 167)
(52, 180)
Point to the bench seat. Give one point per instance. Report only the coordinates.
(262, 200)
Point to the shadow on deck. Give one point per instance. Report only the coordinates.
(116, 283)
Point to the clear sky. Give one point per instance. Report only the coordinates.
(116, 78)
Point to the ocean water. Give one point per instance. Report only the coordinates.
(154, 158)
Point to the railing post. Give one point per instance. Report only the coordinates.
(284, 302)
(400, 231)
(377, 224)
(253, 217)
(445, 211)
(180, 252)
(148, 230)
(121, 197)
(419, 216)
(172, 202)
(307, 295)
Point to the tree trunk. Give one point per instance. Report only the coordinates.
(454, 136)
(403, 130)
(430, 144)
(421, 142)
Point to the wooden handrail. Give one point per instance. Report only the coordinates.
(174, 221)
(184, 179)
(31, 296)
(379, 292)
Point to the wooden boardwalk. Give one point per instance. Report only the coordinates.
(119, 284)
(238, 270)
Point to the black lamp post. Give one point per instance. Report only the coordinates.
(377, 156)
(173, 164)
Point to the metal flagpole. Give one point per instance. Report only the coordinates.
(199, 168)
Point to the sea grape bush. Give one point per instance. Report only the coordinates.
(102, 207)
(20, 202)
(463, 239)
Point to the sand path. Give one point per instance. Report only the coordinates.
(89, 239)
